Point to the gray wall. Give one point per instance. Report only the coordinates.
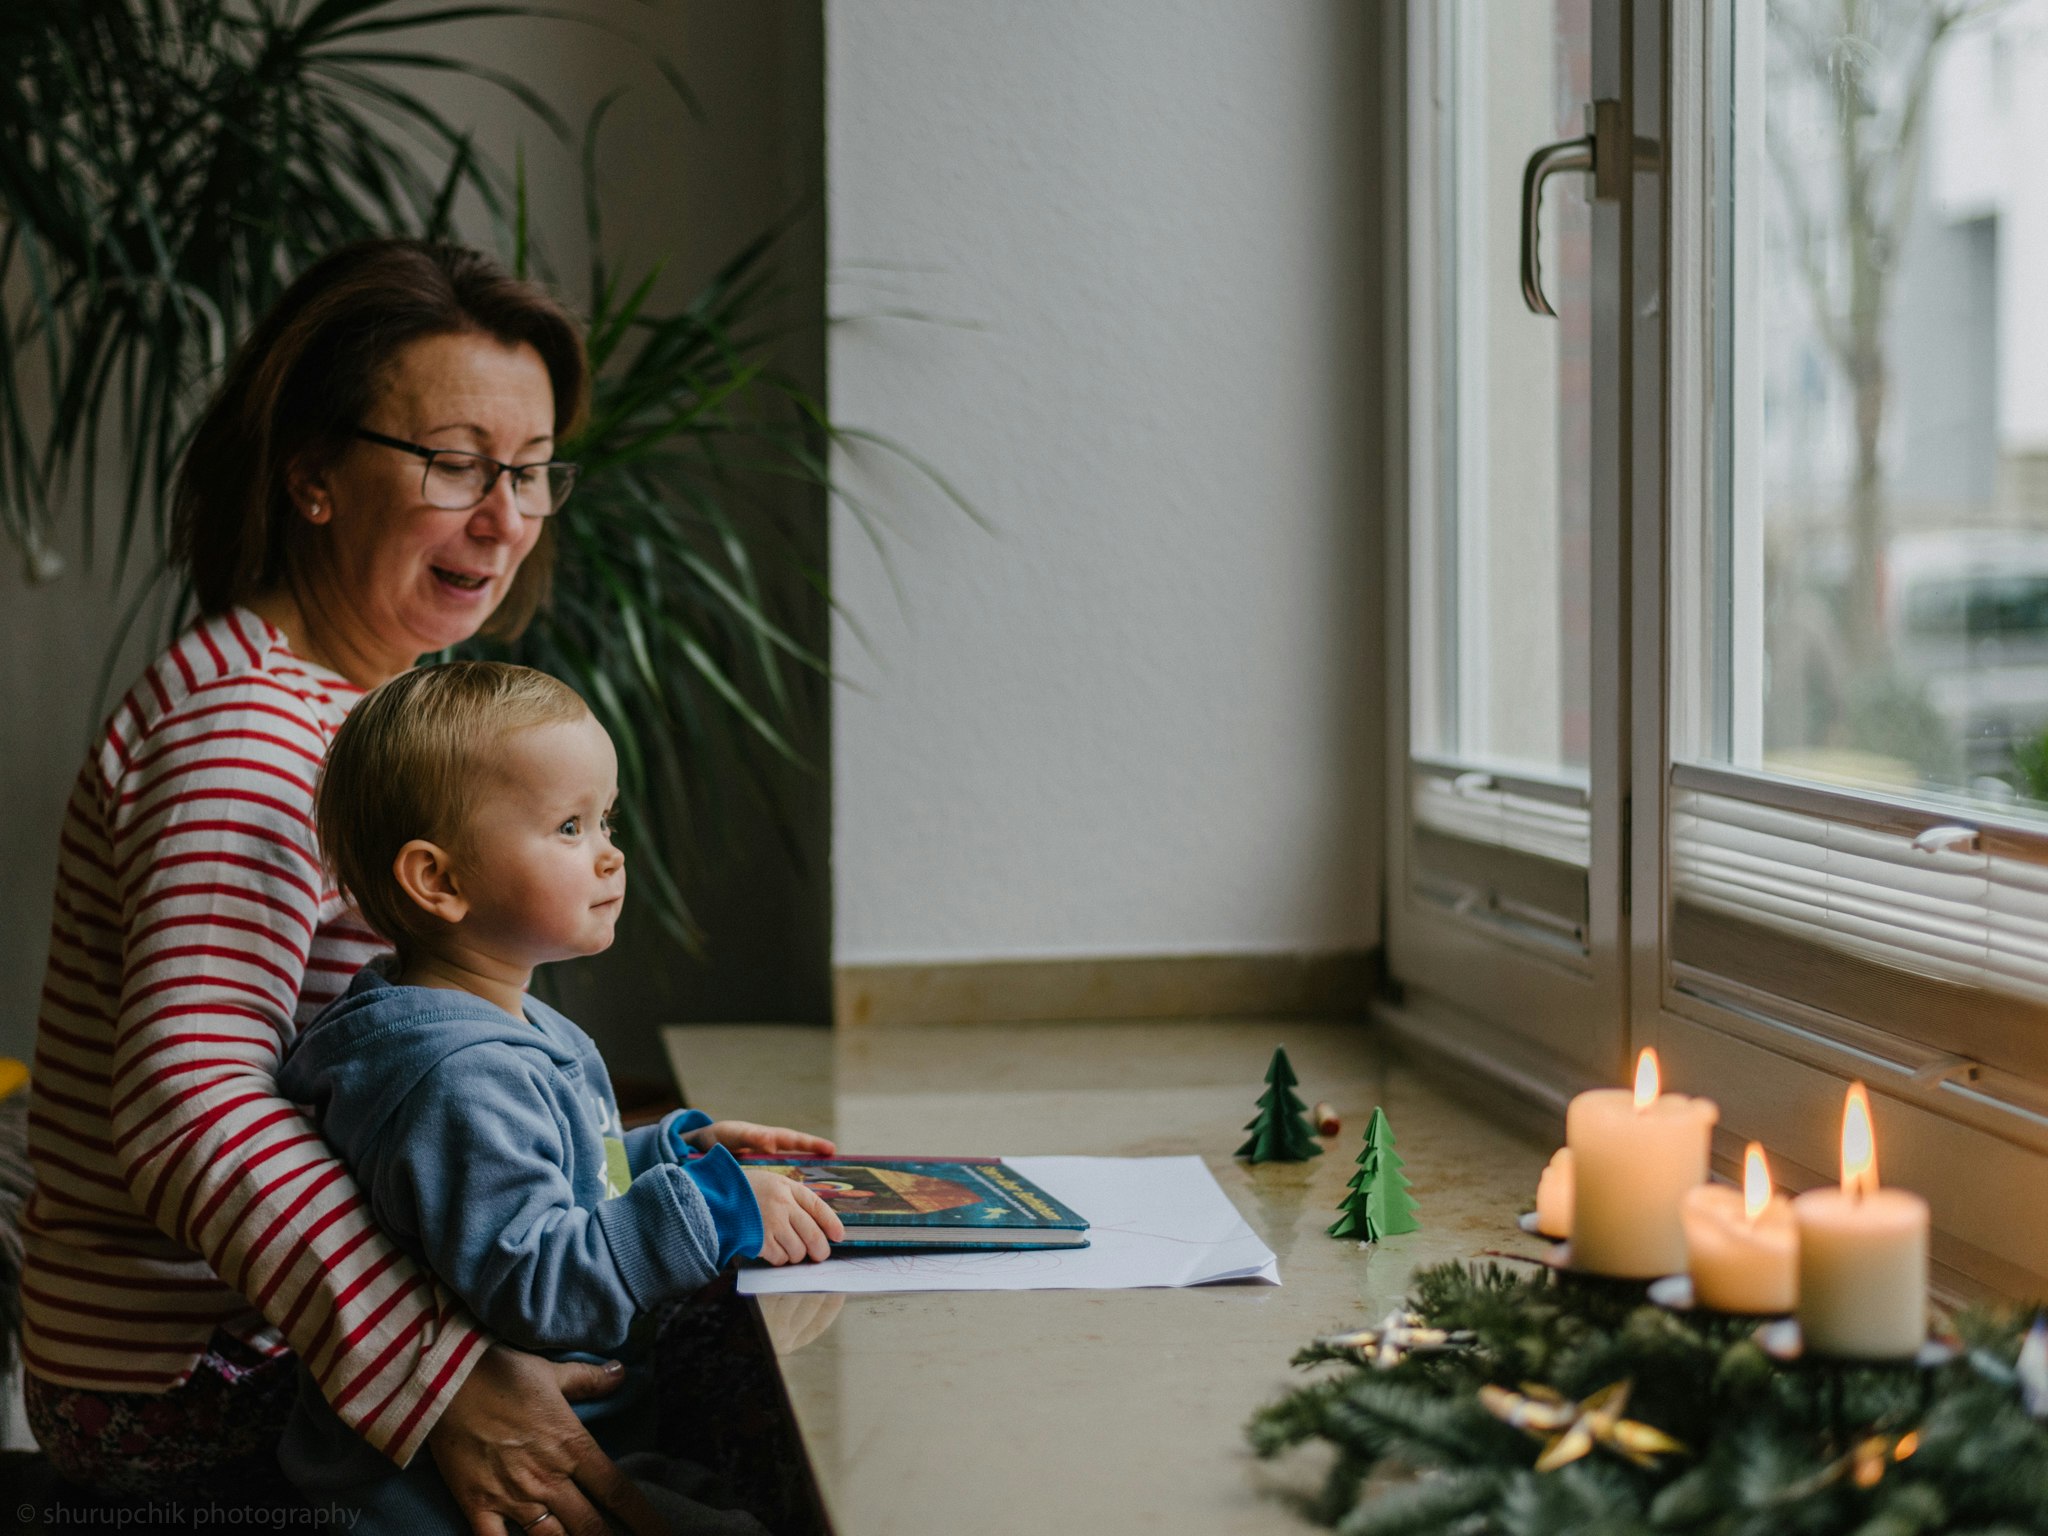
(689, 191)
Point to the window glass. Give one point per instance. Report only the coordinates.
(1883, 341)
(1502, 567)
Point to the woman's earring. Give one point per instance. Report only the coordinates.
(316, 510)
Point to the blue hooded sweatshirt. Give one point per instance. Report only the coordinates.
(490, 1150)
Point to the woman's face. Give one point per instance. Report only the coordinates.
(403, 578)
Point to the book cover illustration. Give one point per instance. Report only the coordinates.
(973, 1202)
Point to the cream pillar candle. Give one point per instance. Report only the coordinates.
(1742, 1246)
(1554, 1196)
(1862, 1255)
(1634, 1155)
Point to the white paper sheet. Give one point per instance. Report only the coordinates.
(1152, 1221)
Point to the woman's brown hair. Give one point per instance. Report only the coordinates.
(306, 378)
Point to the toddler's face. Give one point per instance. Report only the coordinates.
(536, 860)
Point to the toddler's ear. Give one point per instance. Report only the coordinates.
(426, 874)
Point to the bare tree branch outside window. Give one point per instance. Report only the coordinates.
(1851, 79)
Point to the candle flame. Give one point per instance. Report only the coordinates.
(1756, 1182)
(1859, 1143)
(1646, 1078)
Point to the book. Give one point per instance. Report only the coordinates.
(966, 1203)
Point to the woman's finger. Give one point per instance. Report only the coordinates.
(607, 1485)
(582, 1381)
(568, 1512)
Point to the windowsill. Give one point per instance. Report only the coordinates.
(1036, 1410)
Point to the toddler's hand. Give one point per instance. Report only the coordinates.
(796, 1223)
(743, 1136)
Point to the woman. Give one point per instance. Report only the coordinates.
(371, 484)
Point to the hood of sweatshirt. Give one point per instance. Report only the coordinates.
(370, 1047)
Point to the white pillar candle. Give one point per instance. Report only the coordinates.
(1742, 1246)
(1554, 1196)
(1862, 1255)
(1634, 1155)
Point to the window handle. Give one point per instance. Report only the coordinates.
(1946, 840)
(1947, 1069)
(1599, 150)
(1473, 782)
(1565, 155)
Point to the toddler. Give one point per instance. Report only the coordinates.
(467, 809)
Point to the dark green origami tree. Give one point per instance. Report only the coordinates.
(1279, 1134)
(1378, 1205)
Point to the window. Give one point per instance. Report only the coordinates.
(1503, 831)
(1794, 472)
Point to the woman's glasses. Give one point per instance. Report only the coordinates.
(456, 480)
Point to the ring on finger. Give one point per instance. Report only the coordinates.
(541, 1519)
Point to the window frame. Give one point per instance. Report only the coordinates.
(1973, 1139)
(1568, 1023)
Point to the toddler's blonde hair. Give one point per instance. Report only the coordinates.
(405, 765)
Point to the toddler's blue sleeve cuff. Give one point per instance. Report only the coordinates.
(678, 1125)
(734, 1210)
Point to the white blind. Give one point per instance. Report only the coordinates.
(1938, 935)
(1482, 809)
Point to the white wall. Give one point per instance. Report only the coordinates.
(1139, 717)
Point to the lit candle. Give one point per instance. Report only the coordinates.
(1862, 1255)
(1554, 1196)
(1634, 1155)
(1742, 1246)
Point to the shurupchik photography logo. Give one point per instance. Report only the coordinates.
(141, 1516)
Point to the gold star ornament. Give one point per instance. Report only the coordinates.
(1573, 1429)
(1864, 1464)
(1870, 1459)
(1399, 1335)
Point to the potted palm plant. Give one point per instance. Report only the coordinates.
(166, 166)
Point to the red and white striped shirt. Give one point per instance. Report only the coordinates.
(194, 933)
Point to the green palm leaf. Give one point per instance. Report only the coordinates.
(166, 167)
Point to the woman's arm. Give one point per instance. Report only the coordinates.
(220, 888)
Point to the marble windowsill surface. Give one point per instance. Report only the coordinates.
(1095, 1411)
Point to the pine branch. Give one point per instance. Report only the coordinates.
(1445, 1502)
(1810, 1449)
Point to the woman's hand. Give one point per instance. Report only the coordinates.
(513, 1453)
(738, 1136)
(796, 1223)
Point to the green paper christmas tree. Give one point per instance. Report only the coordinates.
(1279, 1134)
(1378, 1205)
